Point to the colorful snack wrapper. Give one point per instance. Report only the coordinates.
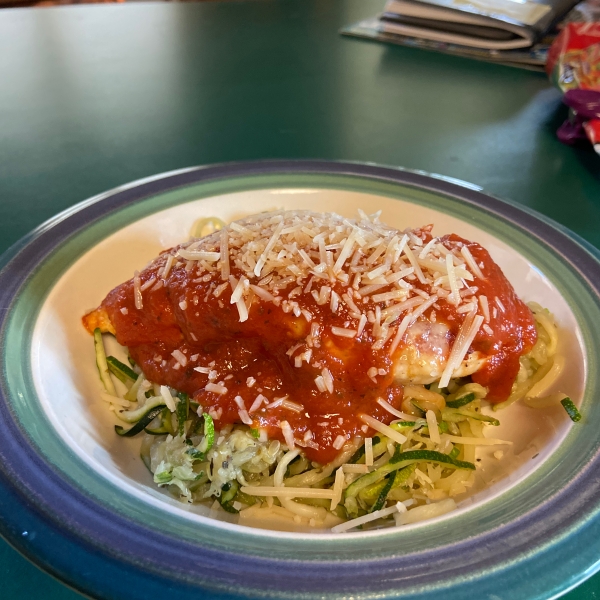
(574, 67)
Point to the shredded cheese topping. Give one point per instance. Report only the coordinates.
(378, 280)
(364, 266)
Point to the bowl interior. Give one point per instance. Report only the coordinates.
(68, 387)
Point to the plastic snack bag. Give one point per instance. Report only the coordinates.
(574, 67)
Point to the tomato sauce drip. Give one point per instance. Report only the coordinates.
(185, 315)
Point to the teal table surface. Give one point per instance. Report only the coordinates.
(95, 96)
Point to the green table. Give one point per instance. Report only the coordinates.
(95, 96)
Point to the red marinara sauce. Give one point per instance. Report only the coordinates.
(511, 322)
(253, 358)
(265, 356)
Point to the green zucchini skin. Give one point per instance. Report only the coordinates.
(429, 455)
(460, 414)
(141, 424)
(101, 363)
(401, 460)
(228, 492)
(462, 401)
(372, 492)
(133, 416)
(378, 504)
(182, 410)
(209, 432)
(571, 409)
(120, 370)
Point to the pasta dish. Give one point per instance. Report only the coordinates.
(303, 369)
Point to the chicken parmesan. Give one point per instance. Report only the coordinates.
(327, 345)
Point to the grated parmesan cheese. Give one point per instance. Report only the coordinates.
(339, 442)
(338, 487)
(168, 398)
(180, 357)
(137, 292)
(369, 452)
(382, 428)
(288, 434)
(216, 388)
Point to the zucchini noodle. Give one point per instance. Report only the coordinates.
(293, 507)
